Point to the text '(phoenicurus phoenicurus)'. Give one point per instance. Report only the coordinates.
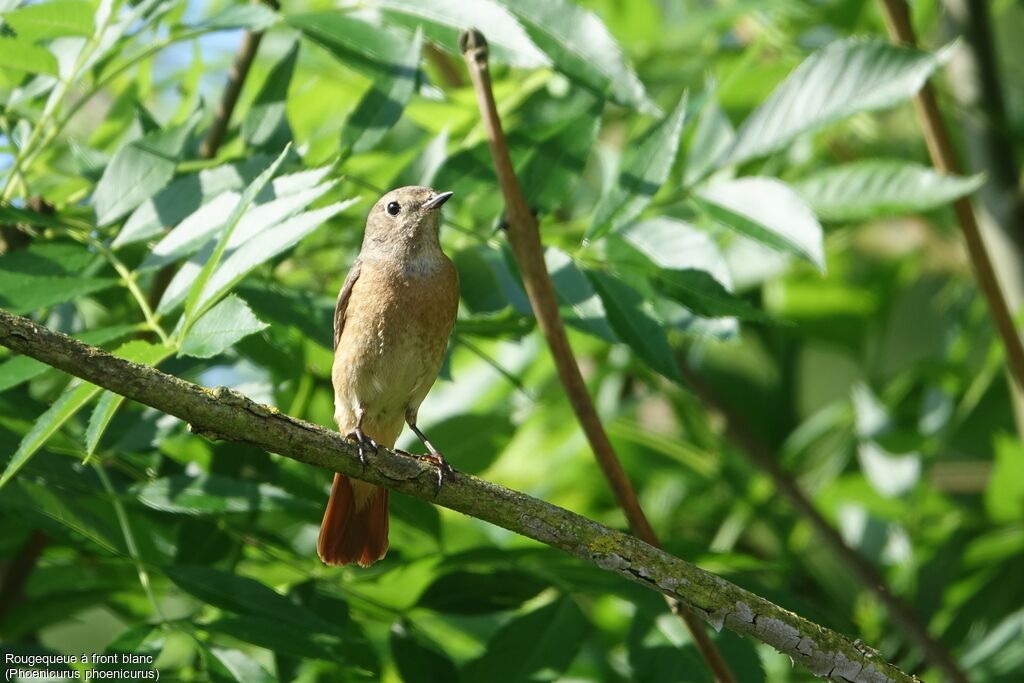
(391, 326)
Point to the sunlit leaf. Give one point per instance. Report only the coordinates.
(844, 78)
(266, 124)
(356, 43)
(645, 166)
(868, 189)
(22, 55)
(51, 19)
(769, 211)
(220, 328)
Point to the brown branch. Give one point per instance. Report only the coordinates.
(740, 433)
(224, 414)
(940, 149)
(18, 571)
(524, 236)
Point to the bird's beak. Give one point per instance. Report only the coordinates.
(437, 200)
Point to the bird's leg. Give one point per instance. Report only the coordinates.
(360, 437)
(443, 468)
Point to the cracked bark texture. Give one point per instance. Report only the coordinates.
(225, 414)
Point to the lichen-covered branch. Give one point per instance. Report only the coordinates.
(224, 414)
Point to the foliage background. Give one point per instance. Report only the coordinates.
(860, 352)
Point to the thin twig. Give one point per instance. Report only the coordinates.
(524, 236)
(738, 431)
(225, 414)
(17, 573)
(940, 149)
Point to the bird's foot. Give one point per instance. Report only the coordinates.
(443, 468)
(363, 441)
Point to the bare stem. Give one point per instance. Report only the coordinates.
(940, 149)
(524, 236)
(225, 414)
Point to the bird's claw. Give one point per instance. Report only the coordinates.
(362, 441)
(443, 468)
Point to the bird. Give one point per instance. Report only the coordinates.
(392, 321)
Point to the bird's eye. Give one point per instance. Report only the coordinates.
(394, 208)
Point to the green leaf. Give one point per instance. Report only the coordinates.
(286, 196)
(266, 124)
(1004, 496)
(769, 211)
(633, 323)
(580, 46)
(469, 592)
(425, 166)
(51, 19)
(442, 20)
(713, 135)
(139, 170)
(102, 414)
(22, 55)
(669, 243)
(537, 646)
(184, 196)
(270, 633)
(873, 188)
(645, 167)
(844, 78)
(212, 494)
(702, 294)
(417, 660)
(244, 595)
(553, 167)
(233, 666)
(356, 43)
(195, 293)
(70, 402)
(251, 16)
(582, 307)
(220, 328)
(44, 274)
(382, 105)
(268, 244)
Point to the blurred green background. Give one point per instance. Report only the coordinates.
(740, 186)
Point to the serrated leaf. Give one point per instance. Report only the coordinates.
(645, 167)
(184, 196)
(212, 494)
(251, 16)
(70, 402)
(195, 299)
(356, 43)
(702, 294)
(873, 188)
(769, 211)
(243, 595)
(634, 323)
(101, 416)
(539, 645)
(844, 78)
(382, 105)
(582, 306)
(51, 19)
(22, 55)
(442, 20)
(266, 124)
(220, 328)
(580, 46)
(139, 170)
(672, 244)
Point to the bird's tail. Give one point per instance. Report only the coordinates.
(355, 525)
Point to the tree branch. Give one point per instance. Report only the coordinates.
(940, 149)
(524, 236)
(225, 414)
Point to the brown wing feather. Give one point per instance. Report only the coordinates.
(342, 306)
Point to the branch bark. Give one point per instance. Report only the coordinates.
(897, 17)
(524, 236)
(225, 414)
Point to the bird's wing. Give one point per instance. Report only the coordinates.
(341, 308)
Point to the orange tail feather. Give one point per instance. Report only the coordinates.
(355, 526)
